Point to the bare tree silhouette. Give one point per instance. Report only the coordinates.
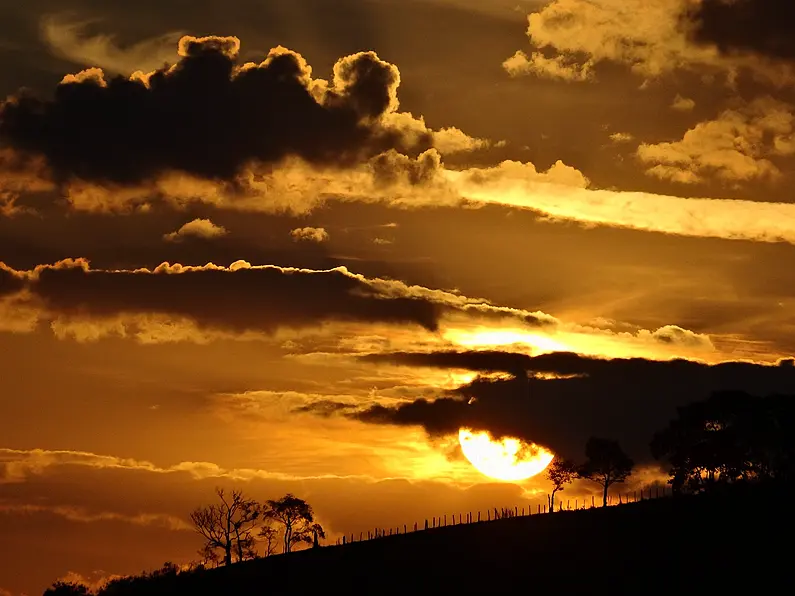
(227, 526)
(269, 535)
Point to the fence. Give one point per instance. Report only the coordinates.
(458, 519)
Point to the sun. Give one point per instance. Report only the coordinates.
(510, 459)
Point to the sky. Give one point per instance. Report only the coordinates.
(296, 245)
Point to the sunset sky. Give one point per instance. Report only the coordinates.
(295, 245)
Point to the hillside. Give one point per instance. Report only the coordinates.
(720, 542)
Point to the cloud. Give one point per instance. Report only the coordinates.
(69, 40)
(239, 298)
(11, 281)
(82, 515)
(561, 399)
(17, 465)
(683, 104)
(652, 37)
(310, 234)
(320, 313)
(621, 137)
(734, 147)
(345, 140)
(737, 26)
(209, 125)
(557, 67)
(696, 216)
(198, 228)
(160, 304)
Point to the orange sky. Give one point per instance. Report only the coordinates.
(318, 241)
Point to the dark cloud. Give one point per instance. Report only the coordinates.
(238, 298)
(760, 26)
(209, 117)
(567, 398)
(481, 361)
(10, 281)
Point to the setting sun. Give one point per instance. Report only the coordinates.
(510, 459)
(492, 338)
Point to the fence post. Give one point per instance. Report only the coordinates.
(545, 508)
(445, 519)
(478, 515)
(592, 502)
(426, 524)
(488, 515)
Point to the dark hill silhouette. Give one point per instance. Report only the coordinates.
(730, 539)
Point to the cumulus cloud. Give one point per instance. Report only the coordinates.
(70, 40)
(537, 401)
(366, 150)
(209, 126)
(683, 104)
(557, 67)
(198, 228)
(734, 147)
(310, 234)
(652, 37)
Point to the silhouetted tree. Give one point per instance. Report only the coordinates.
(297, 520)
(227, 526)
(729, 437)
(606, 464)
(268, 534)
(61, 588)
(560, 472)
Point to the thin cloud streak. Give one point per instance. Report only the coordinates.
(697, 217)
(82, 515)
(19, 464)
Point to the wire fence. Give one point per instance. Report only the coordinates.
(459, 519)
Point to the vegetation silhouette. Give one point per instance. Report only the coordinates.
(560, 472)
(297, 520)
(730, 437)
(606, 464)
(731, 459)
(62, 588)
(227, 527)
